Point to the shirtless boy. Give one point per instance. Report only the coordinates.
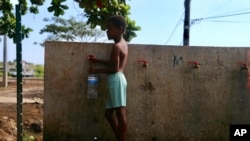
(117, 84)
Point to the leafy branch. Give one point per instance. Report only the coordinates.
(96, 11)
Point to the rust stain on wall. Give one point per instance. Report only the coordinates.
(147, 86)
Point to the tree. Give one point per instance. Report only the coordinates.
(97, 12)
(71, 30)
(39, 70)
(1, 69)
(8, 20)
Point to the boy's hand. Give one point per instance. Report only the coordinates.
(91, 58)
(92, 70)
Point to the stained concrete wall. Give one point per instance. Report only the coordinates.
(171, 100)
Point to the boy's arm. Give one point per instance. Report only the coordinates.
(105, 62)
(112, 65)
(95, 60)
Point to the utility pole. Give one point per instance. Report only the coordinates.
(186, 23)
(19, 82)
(5, 64)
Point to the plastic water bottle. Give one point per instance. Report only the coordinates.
(92, 86)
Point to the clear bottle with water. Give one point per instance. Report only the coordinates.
(92, 86)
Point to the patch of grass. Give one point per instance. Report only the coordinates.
(28, 138)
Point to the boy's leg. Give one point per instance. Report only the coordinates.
(122, 123)
(111, 117)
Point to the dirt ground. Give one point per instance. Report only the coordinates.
(32, 112)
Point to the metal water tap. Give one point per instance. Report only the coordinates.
(92, 59)
(89, 57)
(145, 63)
(196, 65)
(244, 66)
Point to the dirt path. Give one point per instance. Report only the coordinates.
(30, 94)
(32, 111)
(14, 100)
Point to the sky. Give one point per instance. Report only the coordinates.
(223, 23)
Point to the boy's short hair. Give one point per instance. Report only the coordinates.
(118, 21)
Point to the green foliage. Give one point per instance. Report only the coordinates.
(57, 7)
(8, 20)
(34, 9)
(39, 71)
(37, 2)
(1, 71)
(97, 12)
(70, 30)
(28, 138)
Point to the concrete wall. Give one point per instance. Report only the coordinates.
(171, 100)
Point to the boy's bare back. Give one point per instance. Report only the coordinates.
(119, 55)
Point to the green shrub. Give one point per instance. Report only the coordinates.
(28, 138)
(39, 71)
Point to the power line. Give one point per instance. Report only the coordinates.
(175, 28)
(221, 16)
(226, 21)
(230, 15)
(221, 6)
(237, 11)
